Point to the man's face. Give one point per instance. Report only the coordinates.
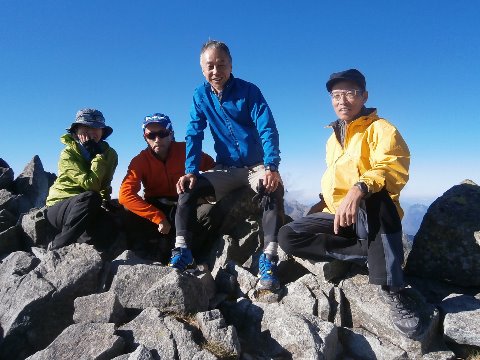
(158, 139)
(216, 67)
(348, 100)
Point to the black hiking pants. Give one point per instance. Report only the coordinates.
(81, 219)
(376, 238)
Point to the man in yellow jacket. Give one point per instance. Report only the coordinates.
(359, 215)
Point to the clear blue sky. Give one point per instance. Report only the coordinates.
(129, 59)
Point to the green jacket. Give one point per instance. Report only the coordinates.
(77, 175)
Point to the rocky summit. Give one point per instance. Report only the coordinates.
(79, 303)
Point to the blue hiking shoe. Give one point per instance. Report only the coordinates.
(267, 272)
(181, 259)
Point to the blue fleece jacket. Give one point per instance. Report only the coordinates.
(241, 123)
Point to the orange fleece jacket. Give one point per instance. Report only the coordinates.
(158, 178)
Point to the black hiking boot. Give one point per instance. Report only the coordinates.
(405, 311)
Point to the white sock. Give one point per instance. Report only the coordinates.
(180, 242)
(271, 250)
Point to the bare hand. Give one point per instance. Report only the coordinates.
(187, 179)
(271, 180)
(164, 227)
(346, 213)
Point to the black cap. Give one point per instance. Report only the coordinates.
(347, 75)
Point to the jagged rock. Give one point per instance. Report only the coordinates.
(11, 240)
(299, 299)
(445, 247)
(362, 345)
(23, 296)
(149, 329)
(36, 227)
(215, 330)
(33, 183)
(6, 175)
(329, 270)
(299, 336)
(461, 320)
(39, 305)
(184, 337)
(370, 312)
(177, 292)
(83, 341)
(98, 308)
(132, 283)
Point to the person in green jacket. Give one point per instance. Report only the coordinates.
(76, 201)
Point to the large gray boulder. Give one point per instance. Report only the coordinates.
(462, 319)
(131, 283)
(447, 246)
(84, 341)
(38, 296)
(177, 292)
(370, 312)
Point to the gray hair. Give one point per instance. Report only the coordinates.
(215, 44)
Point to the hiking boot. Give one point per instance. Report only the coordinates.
(181, 259)
(404, 310)
(267, 272)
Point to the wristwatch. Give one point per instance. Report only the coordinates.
(363, 187)
(271, 167)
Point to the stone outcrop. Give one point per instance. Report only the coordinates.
(447, 246)
(76, 303)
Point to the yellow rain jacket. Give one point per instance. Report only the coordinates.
(374, 153)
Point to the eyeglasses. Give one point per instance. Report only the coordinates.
(161, 134)
(349, 94)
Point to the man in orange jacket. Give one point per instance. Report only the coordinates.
(157, 168)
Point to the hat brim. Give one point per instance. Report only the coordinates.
(330, 83)
(107, 130)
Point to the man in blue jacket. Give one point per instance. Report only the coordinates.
(247, 147)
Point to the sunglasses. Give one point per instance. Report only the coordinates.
(161, 134)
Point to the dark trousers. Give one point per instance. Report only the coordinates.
(82, 219)
(376, 238)
(144, 238)
(272, 218)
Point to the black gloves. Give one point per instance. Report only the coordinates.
(92, 147)
(265, 200)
